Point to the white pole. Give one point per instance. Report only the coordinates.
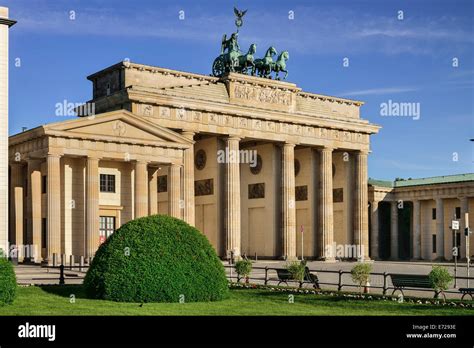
(466, 223)
(455, 231)
(302, 238)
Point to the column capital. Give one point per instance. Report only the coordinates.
(188, 134)
(54, 155)
(234, 137)
(142, 161)
(326, 149)
(288, 144)
(361, 152)
(93, 158)
(15, 164)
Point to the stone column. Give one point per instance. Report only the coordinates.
(361, 223)
(233, 198)
(416, 243)
(153, 191)
(17, 216)
(174, 191)
(53, 191)
(188, 187)
(326, 235)
(462, 225)
(92, 206)
(34, 201)
(5, 25)
(427, 240)
(440, 228)
(288, 202)
(374, 237)
(141, 189)
(394, 230)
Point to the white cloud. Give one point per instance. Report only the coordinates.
(380, 91)
(315, 30)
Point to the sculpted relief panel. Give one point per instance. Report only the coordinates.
(262, 95)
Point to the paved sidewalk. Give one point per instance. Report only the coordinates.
(37, 275)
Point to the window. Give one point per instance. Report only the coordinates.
(434, 244)
(433, 214)
(458, 212)
(107, 183)
(106, 227)
(162, 183)
(44, 227)
(44, 183)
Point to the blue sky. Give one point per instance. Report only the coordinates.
(409, 60)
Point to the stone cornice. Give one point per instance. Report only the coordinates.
(65, 146)
(258, 81)
(114, 139)
(331, 98)
(152, 69)
(28, 135)
(426, 192)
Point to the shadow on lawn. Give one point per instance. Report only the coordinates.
(65, 290)
(308, 298)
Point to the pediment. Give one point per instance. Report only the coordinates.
(116, 124)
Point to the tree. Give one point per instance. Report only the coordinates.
(360, 274)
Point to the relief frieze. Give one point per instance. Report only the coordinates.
(262, 95)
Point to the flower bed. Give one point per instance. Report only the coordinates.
(353, 295)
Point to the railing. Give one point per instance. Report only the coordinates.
(340, 284)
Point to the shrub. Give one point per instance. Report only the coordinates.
(7, 281)
(156, 259)
(360, 274)
(296, 269)
(440, 278)
(243, 268)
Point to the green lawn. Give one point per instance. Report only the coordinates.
(55, 300)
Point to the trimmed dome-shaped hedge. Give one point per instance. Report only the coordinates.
(7, 281)
(156, 259)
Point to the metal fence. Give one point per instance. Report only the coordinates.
(268, 276)
(378, 281)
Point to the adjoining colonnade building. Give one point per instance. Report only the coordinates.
(411, 219)
(169, 142)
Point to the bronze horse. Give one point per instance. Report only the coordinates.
(263, 67)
